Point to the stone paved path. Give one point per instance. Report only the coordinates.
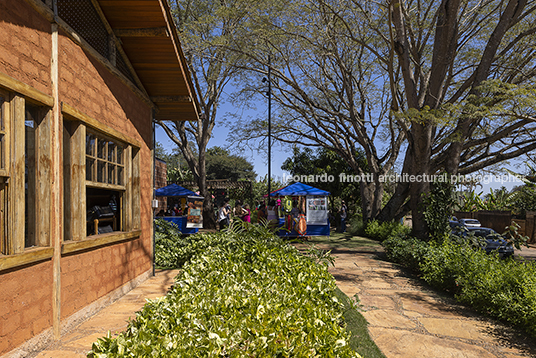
(408, 320)
(113, 318)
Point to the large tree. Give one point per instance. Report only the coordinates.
(203, 25)
(221, 164)
(451, 83)
(317, 166)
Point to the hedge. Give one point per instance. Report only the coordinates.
(245, 294)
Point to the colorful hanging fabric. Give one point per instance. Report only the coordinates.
(287, 204)
(301, 225)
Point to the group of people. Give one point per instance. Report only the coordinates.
(240, 212)
(171, 211)
(269, 213)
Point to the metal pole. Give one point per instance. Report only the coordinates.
(269, 127)
(154, 187)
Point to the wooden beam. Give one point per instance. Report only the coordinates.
(75, 180)
(166, 11)
(55, 184)
(17, 187)
(93, 123)
(99, 240)
(171, 99)
(114, 39)
(148, 32)
(43, 154)
(25, 258)
(48, 14)
(25, 90)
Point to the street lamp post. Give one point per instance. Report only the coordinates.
(269, 124)
(269, 127)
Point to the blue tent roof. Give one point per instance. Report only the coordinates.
(174, 190)
(299, 189)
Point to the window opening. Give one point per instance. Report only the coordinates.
(30, 173)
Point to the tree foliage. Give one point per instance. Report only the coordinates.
(204, 25)
(221, 164)
(309, 163)
(436, 85)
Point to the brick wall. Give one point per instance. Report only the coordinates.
(25, 50)
(26, 301)
(160, 180)
(93, 274)
(26, 292)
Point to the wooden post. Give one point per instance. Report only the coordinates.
(16, 204)
(75, 180)
(56, 222)
(43, 179)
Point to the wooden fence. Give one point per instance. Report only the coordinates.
(499, 220)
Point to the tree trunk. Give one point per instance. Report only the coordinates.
(371, 199)
(209, 220)
(420, 152)
(395, 208)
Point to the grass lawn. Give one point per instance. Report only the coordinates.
(344, 241)
(356, 324)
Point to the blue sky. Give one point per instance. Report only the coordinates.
(281, 153)
(219, 138)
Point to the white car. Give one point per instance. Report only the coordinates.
(470, 222)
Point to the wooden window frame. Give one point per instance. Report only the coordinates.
(5, 121)
(77, 126)
(12, 177)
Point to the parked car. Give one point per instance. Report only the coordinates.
(492, 241)
(470, 222)
(454, 224)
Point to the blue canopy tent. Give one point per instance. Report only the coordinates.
(177, 191)
(174, 190)
(316, 208)
(299, 189)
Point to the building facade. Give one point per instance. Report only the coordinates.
(80, 85)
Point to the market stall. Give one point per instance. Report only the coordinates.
(303, 210)
(187, 214)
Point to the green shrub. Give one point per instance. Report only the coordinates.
(382, 231)
(504, 289)
(248, 294)
(407, 251)
(356, 226)
(444, 264)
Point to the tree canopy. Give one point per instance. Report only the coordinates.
(221, 164)
(431, 85)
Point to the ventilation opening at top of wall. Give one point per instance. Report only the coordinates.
(82, 16)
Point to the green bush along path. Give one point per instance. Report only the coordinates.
(409, 319)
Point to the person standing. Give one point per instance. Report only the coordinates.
(271, 214)
(261, 213)
(223, 215)
(344, 214)
(247, 216)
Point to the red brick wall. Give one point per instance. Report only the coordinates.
(93, 274)
(160, 174)
(25, 44)
(26, 292)
(26, 302)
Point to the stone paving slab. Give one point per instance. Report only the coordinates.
(407, 319)
(113, 318)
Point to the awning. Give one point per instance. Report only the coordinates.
(299, 189)
(174, 190)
